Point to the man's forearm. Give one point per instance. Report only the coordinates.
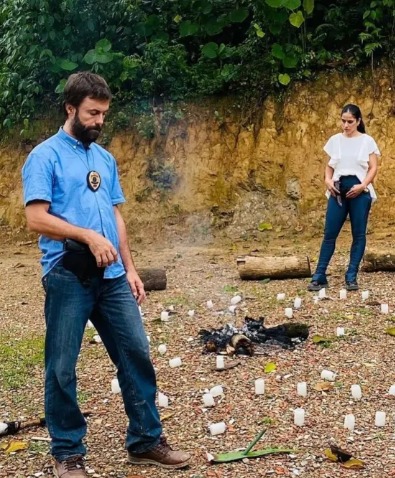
(124, 249)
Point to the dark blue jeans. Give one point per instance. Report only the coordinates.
(358, 208)
(111, 307)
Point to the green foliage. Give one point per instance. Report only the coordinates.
(174, 50)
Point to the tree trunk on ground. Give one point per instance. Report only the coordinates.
(261, 267)
(378, 261)
(153, 279)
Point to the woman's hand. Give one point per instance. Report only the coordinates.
(331, 187)
(355, 191)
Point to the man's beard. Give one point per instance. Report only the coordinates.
(85, 134)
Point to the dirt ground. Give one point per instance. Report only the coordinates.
(365, 355)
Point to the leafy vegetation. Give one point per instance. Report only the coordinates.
(170, 50)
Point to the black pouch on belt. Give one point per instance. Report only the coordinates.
(79, 260)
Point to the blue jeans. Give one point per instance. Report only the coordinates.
(358, 208)
(111, 307)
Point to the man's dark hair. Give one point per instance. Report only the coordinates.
(84, 85)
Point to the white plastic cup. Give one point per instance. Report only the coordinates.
(210, 304)
(220, 362)
(259, 386)
(343, 294)
(162, 349)
(328, 375)
(349, 422)
(365, 294)
(322, 293)
(392, 390)
(175, 362)
(115, 388)
(297, 303)
(164, 316)
(299, 416)
(356, 392)
(217, 428)
(288, 312)
(340, 331)
(384, 308)
(216, 391)
(163, 400)
(380, 419)
(280, 296)
(191, 313)
(208, 400)
(301, 389)
(235, 300)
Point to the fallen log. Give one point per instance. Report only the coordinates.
(378, 261)
(273, 267)
(153, 279)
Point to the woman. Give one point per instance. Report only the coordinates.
(348, 177)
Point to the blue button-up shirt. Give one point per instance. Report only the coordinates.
(56, 171)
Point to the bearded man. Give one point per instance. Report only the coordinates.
(71, 196)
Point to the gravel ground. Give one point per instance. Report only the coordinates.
(197, 274)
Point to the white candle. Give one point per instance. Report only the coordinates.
(343, 294)
(349, 422)
(299, 417)
(392, 390)
(191, 313)
(163, 400)
(328, 375)
(340, 331)
(301, 389)
(288, 312)
(115, 388)
(235, 300)
(280, 296)
(356, 392)
(297, 302)
(259, 386)
(384, 308)
(164, 316)
(232, 308)
(380, 419)
(162, 349)
(208, 400)
(175, 362)
(365, 294)
(322, 293)
(220, 363)
(217, 428)
(216, 391)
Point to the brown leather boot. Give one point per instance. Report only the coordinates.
(72, 467)
(161, 455)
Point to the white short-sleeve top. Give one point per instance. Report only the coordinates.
(350, 156)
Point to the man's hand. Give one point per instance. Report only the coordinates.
(331, 187)
(103, 250)
(355, 191)
(136, 286)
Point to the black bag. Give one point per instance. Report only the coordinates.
(79, 260)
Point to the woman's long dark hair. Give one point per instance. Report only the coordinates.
(356, 112)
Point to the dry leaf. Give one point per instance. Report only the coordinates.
(319, 339)
(391, 331)
(331, 456)
(323, 386)
(270, 367)
(14, 445)
(166, 416)
(353, 464)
